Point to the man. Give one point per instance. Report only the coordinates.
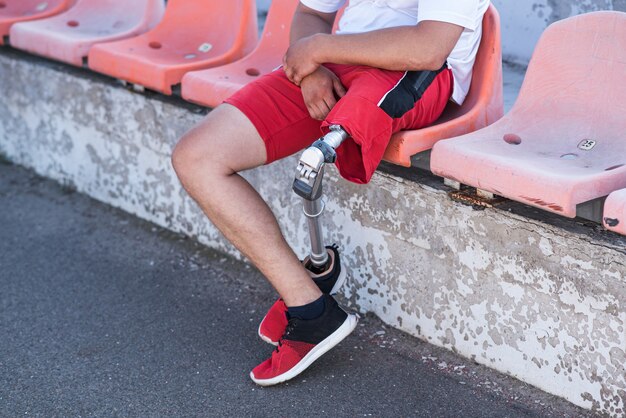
(393, 65)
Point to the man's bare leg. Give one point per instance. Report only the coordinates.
(207, 160)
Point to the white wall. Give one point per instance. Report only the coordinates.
(524, 21)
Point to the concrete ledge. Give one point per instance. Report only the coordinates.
(537, 297)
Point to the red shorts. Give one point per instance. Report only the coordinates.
(377, 104)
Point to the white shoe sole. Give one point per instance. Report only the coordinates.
(340, 281)
(329, 342)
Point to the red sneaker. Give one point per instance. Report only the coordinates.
(304, 342)
(329, 281)
(273, 325)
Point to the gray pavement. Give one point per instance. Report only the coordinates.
(102, 314)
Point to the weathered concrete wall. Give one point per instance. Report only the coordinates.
(524, 21)
(541, 303)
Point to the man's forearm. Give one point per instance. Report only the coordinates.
(400, 48)
(405, 48)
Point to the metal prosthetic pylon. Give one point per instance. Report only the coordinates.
(308, 185)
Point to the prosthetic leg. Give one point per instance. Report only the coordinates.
(308, 185)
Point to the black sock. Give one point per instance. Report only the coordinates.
(309, 311)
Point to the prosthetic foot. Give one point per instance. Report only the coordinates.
(308, 185)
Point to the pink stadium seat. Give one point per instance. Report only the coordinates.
(615, 212)
(483, 106)
(210, 87)
(69, 36)
(14, 11)
(194, 34)
(564, 141)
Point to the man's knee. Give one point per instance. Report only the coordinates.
(184, 156)
(193, 158)
(224, 143)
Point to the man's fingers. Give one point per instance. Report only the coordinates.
(289, 72)
(325, 108)
(293, 76)
(320, 91)
(330, 102)
(314, 111)
(321, 110)
(339, 88)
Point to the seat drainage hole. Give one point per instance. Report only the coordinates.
(253, 72)
(72, 24)
(155, 45)
(2, 5)
(569, 156)
(614, 167)
(512, 139)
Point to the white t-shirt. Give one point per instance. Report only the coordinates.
(367, 15)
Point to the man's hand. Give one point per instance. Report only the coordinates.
(320, 90)
(301, 58)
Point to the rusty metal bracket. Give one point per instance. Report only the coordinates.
(469, 196)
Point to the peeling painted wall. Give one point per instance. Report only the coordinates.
(527, 298)
(524, 21)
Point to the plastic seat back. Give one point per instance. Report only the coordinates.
(211, 87)
(69, 36)
(574, 77)
(14, 11)
(483, 105)
(275, 39)
(563, 143)
(193, 34)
